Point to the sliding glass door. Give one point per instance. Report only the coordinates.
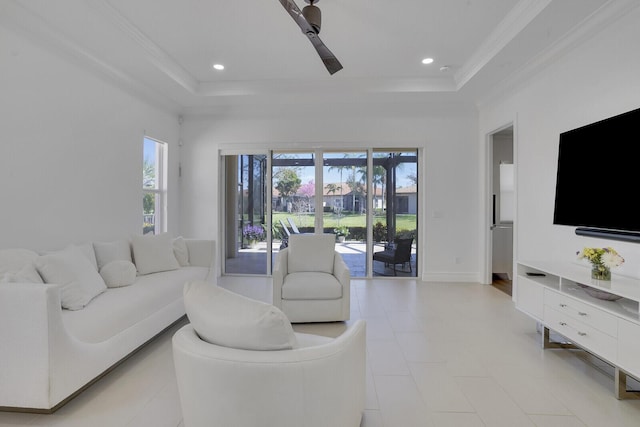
(368, 199)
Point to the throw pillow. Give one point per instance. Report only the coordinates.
(28, 274)
(153, 253)
(231, 320)
(88, 252)
(71, 269)
(181, 251)
(112, 251)
(17, 265)
(118, 273)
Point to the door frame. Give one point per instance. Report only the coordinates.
(487, 221)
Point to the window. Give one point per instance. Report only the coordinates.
(154, 187)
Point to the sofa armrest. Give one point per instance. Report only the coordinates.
(201, 253)
(279, 271)
(343, 274)
(341, 270)
(30, 313)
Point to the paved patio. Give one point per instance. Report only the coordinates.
(253, 261)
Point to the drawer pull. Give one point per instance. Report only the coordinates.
(582, 334)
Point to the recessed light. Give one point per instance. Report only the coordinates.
(218, 67)
(445, 68)
(427, 61)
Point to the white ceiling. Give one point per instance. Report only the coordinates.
(164, 49)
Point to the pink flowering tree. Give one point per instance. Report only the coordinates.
(307, 191)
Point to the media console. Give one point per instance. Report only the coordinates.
(551, 293)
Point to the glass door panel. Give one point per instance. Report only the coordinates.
(293, 196)
(395, 210)
(344, 200)
(245, 214)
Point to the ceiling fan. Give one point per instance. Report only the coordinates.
(309, 19)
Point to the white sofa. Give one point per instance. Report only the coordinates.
(48, 354)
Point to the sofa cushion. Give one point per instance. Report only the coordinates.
(71, 269)
(225, 318)
(181, 251)
(311, 285)
(118, 250)
(17, 265)
(118, 273)
(136, 307)
(311, 252)
(153, 253)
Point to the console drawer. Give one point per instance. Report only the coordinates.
(582, 334)
(582, 312)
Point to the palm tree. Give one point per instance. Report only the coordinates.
(379, 177)
(332, 188)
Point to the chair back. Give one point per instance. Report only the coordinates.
(285, 229)
(293, 225)
(311, 252)
(403, 250)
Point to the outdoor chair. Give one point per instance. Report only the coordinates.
(292, 223)
(285, 235)
(400, 255)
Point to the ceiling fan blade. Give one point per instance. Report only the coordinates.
(328, 58)
(297, 16)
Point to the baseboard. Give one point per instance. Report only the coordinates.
(451, 277)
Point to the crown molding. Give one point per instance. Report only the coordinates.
(515, 21)
(163, 61)
(326, 86)
(589, 27)
(32, 26)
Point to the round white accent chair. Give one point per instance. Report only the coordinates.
(318, 383)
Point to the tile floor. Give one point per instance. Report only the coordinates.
(438, 355)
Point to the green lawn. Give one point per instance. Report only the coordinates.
(403, 222)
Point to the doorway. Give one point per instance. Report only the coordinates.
(502, 205)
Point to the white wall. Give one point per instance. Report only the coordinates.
(599, 79)
(450, 167)
(71, 151)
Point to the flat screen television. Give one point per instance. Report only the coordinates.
(598, 178)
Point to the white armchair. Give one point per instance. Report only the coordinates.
(311, 281)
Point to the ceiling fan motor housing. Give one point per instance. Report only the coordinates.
(313, 16)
